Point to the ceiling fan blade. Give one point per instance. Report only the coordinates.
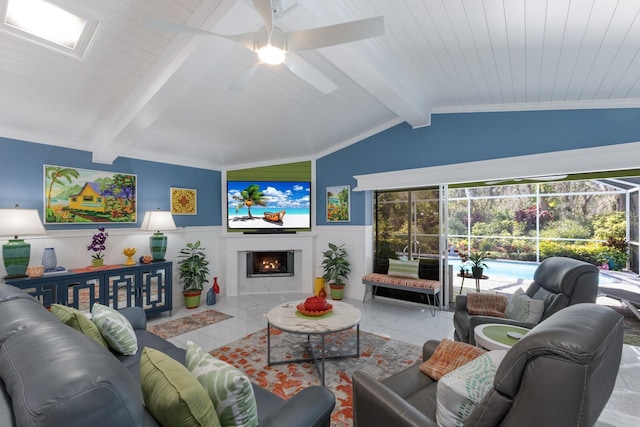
(241, 82)
(245, 39)
(308, 73)
(335, 34)
(265, 9)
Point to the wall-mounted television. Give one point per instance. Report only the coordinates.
(269, 206)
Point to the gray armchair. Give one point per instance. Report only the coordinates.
(561, 373)
(558, 281)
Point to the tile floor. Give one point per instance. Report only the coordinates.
(398, 320)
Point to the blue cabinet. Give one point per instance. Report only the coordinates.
(144, 285)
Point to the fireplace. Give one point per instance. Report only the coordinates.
(270, 263)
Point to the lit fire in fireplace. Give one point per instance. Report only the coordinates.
(269, 264)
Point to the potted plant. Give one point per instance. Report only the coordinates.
(193, 272)
(477, 260)
(336, 269)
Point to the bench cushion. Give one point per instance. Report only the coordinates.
(377, 278)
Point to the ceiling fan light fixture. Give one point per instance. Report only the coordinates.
(271, 55)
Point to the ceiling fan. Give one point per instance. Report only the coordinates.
(531, 178)
(275, 46)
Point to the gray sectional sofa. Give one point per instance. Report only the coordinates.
(52, 375)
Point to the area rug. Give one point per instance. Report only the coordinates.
(379, 357)
(189, 323)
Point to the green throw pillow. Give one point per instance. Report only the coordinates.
(173, 396)
(115, 328)
(460, 391)
(78, 321)
(229, 389)
(406, 269)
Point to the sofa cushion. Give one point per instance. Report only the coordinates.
(460, 391)
(173, 396)
(449, 355)
(228, 388)
(484, 304)
(78, 321)
(115, 328)
(523, 308)
(407, 269)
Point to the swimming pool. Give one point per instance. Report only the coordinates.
(514, 269)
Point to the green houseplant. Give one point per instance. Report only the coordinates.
(336, 269)
(193, 272)
(477, 260)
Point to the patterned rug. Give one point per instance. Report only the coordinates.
(189, 323)
(379, 357)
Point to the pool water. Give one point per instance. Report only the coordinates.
(513, 269)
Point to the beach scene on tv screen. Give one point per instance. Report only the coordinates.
(268, 204)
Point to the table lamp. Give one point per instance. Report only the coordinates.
(16, 252)
(158, 220)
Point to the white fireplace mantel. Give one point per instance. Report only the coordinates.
(269, 242)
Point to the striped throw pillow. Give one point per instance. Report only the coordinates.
(405, 269)
(229, 389)
(448, 356)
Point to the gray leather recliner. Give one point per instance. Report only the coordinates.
(558, 281)
(561, 373)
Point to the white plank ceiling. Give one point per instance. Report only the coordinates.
(164, 96)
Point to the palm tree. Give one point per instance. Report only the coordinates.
(56, 174)
(250, 196)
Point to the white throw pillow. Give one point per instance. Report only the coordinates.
(460, 391)
(115, 329)
(524, 309)
(229, 389)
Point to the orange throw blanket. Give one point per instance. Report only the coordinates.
(486, 304)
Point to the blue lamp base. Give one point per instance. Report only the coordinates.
(158, 245)
(16, 254)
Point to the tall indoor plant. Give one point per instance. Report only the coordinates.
(336, 269)
(193, 272)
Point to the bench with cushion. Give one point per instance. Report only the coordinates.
(420, 276)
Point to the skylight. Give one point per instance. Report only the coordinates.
(42, 19)
(48, 25)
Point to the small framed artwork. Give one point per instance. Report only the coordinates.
(338, 203)
(184, 201)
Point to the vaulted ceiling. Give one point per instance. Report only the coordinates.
(164, 95)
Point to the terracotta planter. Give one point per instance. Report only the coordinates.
(337, 292)
(192, 298)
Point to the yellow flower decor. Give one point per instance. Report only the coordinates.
(129, 253)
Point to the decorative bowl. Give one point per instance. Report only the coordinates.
(315, 304)
(36, 271)
(306, 312)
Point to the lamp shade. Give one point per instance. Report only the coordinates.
(159, 221)
(20, 222)
(16, 253)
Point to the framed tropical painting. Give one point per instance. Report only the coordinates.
(184, 201)
(338, 203)
(74, 195)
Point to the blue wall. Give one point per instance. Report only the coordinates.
(459, 138)
(22, 182)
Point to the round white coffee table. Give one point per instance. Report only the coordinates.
(287, 318)
(495, 336)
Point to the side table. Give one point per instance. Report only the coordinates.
(496, 336)
(469, 276)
